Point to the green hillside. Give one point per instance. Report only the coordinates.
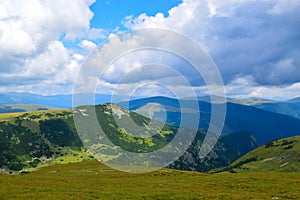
(37, 139)
(92, 180)
(30, 140)
(280, 155)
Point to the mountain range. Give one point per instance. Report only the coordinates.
(14, 108)
(32, 139)
(58, 101)
(265, 126)
(28, 140)
(290, 107)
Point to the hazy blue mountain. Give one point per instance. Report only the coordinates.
(13, 108)
(59, 101)
(247, 101)
(294, 100)
(264, 125)
(286, 108)
(289, 107)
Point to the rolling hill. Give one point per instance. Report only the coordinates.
(286, 108)
(28, 139)
(265, 126)
(35, 139)
(290, 107)
(280, 155)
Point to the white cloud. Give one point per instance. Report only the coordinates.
(27, 25)
(31, 50)
(245, 89)
(252, 42)
(88, 45)
(48, 62)
(255, 44)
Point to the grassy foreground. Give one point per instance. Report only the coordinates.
(92, 180)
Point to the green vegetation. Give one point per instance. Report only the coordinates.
(124, 138)
(30, 140)
(46, 144)
(92, 180)
(280, 155)
(42, 138)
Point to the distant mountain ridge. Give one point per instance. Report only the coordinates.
(13, 108)
(294, 100)
(253, 118)
(264, 125)
(58, 101)
(65, 100)
(289, 107)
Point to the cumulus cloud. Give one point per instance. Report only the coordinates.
(245, 38)
(148, 56)
(88, 45)
(255, 45)
(31, 35)
(27, 25)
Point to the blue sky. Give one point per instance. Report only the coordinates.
(254, 44)
(109, 14)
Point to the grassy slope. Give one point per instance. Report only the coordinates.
(10, 117)
(91, 180)
(56, 131)
(62, 155)
(280, 155)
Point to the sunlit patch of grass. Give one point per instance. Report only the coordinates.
(41, 115)
(9, 116)
(66, 156)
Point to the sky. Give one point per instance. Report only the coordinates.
(255, 44)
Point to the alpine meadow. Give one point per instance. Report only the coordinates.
(124, 99)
